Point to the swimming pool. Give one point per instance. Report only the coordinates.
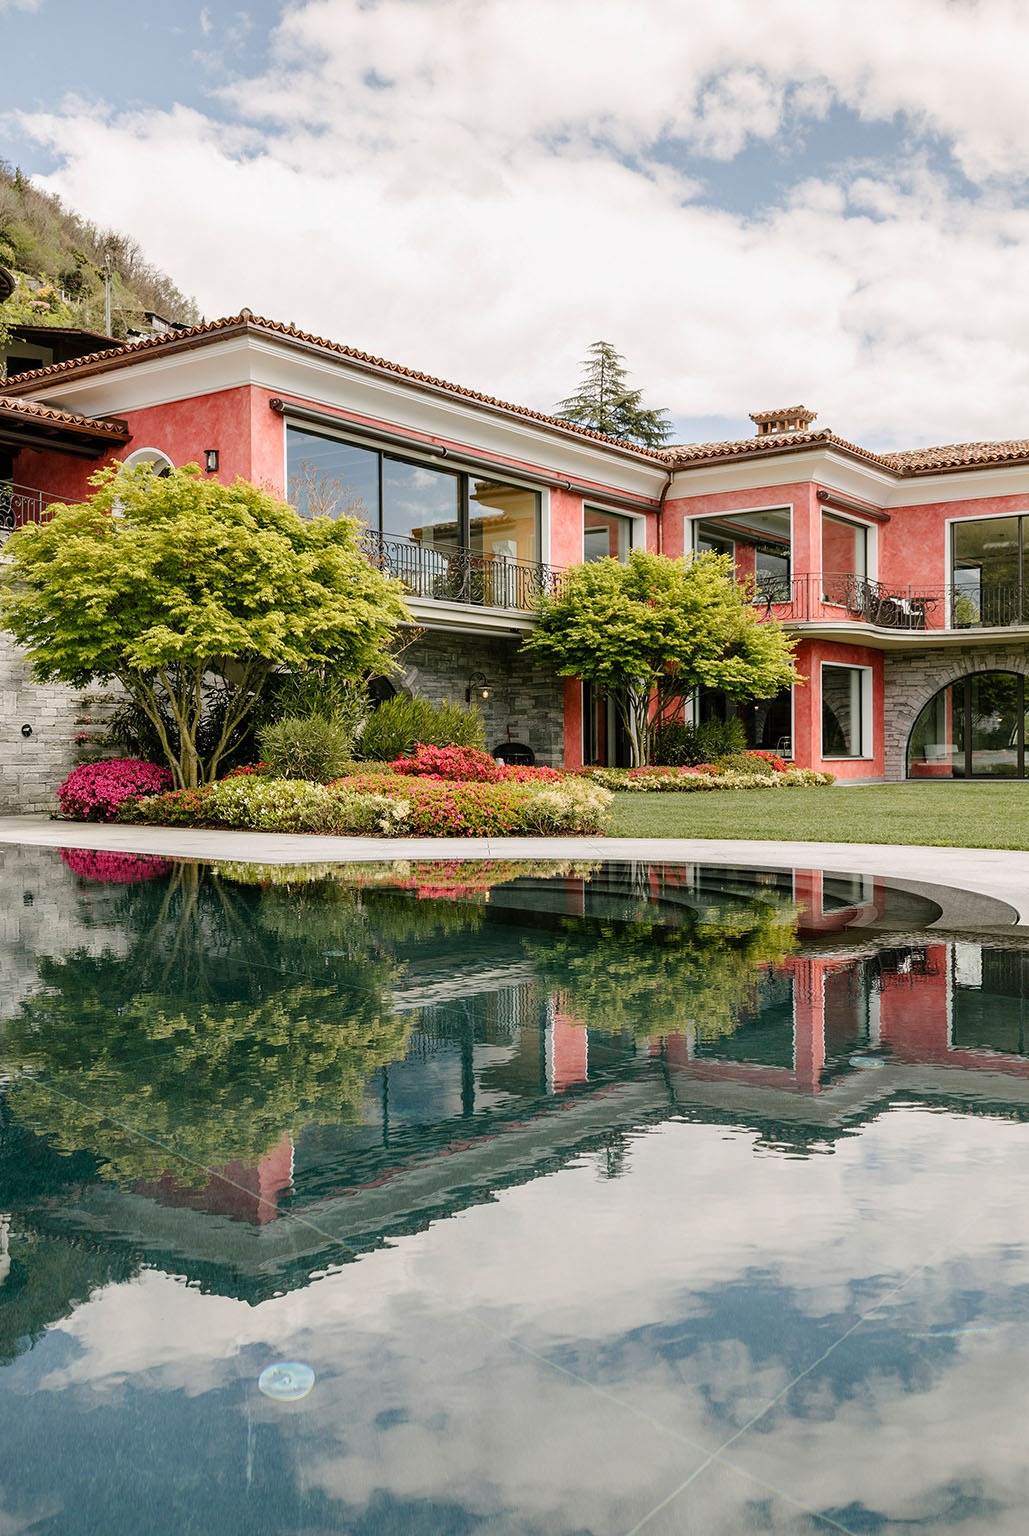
(453, 1197)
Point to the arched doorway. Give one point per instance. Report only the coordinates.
(974, 728)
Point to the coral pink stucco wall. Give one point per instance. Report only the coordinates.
(807, 708)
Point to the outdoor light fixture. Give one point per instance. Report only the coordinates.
(476, 684)
(211, 460)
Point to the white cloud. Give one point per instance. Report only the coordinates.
(469, 186)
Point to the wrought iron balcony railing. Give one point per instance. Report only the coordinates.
(21, 504)
(459, 575)
(801, 599)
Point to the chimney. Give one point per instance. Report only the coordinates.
(794, 418)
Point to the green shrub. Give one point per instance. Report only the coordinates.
(678, 744)
(743, 762)
(401, 724)
(312, 747)
(302, 694)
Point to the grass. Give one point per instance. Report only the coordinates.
(969, 815)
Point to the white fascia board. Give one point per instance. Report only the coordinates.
(335, 383)
(962, 485)
(829, 469)
(463, 618)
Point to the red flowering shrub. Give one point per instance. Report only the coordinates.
(776, 763)
(97, 791)
(467, 765)
(114, 868)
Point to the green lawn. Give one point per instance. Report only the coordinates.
(973, 815)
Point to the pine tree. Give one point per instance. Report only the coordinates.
(605, 403)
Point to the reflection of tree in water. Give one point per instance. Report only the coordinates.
(650, 978)
(232, 1016)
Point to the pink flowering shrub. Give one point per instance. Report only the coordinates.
(97, 791)
(114, 868)
(467, 765)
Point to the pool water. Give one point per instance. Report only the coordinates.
(417, 1200)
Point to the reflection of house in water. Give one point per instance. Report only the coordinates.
(523, 1059)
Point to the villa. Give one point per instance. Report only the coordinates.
(903, 575)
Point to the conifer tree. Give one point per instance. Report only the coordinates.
(605, 403)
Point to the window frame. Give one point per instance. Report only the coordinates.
(425, 461)
(866, 724)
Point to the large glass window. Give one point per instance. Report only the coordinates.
(845, 712)
(991, 580)
(502, 520)
(760, 546)
(767, 723)
(421, 504)
(327, 478)
(844, 558)
(605, 534)
(974, 728)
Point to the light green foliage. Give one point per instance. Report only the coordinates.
(310, 747)
(574, 805)
(605, 403)
(674, 781)
(654, 630)
(175, 585)
(396, 727)
(342, 699)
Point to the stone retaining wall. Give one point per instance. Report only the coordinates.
(32, 767)
(525, 703)
(912, 677)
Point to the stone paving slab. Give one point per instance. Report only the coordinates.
(971, 880)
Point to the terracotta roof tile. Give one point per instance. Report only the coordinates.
(37, 410)
(921, 461)
(95, 361)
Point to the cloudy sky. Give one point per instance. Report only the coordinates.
(757, 201)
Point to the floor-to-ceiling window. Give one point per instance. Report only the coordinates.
(972, 729)
(844, 559)
(760, 545)
(990, 562)
(846, 711)
(399, 498)
(767, 723)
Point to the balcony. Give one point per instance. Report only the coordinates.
(851, 599)
(21, 504)
(459, 575)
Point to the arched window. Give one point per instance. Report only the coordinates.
(974, 728)
(161, 462)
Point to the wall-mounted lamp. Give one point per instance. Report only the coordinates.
(26, 730)
(478, 685)
(211, 460)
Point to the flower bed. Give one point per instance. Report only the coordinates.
(387, 805)
(706, 776)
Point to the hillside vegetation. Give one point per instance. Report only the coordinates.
(59, 259)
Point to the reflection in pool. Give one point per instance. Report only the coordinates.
(567, 1193)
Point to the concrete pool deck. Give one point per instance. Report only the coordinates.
(968, 883)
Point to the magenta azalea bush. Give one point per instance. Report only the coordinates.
(97, 791)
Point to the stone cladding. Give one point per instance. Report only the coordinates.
(912, 677)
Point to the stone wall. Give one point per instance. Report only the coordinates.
(912, 677)
(32, 767)
(525, 702)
